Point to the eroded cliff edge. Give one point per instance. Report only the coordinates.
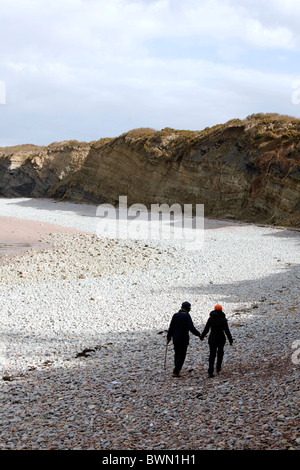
(245, 169)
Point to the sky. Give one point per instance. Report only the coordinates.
(87, 69)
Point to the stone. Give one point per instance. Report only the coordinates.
(254, 182)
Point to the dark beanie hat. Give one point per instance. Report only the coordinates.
(186, 306)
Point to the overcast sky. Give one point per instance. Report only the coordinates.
(86, 69)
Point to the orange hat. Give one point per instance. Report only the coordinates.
(218, 307)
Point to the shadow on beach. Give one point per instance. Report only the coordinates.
(90, 210)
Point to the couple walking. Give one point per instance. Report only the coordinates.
(180, 326)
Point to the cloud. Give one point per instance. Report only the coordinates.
(86, 69)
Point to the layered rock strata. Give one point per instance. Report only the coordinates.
(245, 169)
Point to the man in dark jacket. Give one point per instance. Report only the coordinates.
(180, 326)
(218, 326)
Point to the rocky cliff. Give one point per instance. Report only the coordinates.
(245, 169)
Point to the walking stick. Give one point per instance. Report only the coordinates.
(165, 362)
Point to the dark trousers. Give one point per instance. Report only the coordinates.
(216, 348)
(179, 358)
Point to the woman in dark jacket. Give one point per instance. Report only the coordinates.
(218, 326)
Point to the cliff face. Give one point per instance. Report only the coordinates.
(244, 170)
(32, 171)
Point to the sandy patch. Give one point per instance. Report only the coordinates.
(17, 236)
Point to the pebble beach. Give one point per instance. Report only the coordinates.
(83, 356)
